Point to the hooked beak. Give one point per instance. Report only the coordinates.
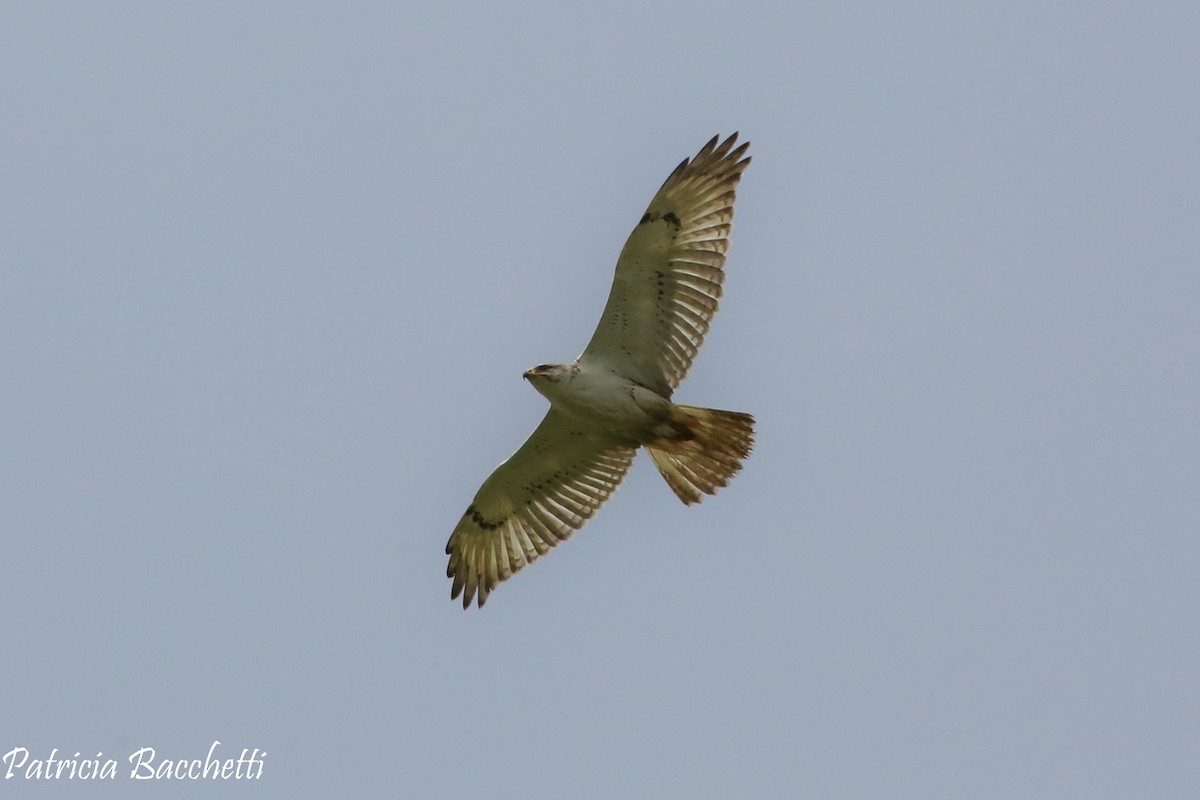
(540, 371)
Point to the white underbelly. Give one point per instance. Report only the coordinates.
(613, 401)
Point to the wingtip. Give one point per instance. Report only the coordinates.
(467, 596)
(469, 591)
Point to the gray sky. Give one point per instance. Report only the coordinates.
(270, 278)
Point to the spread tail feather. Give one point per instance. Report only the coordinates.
(705, 452)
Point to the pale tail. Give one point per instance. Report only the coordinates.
(708, 451)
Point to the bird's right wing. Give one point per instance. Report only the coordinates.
(537, 498)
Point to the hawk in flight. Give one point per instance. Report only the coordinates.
(616, 397)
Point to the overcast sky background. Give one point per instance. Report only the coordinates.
(271, 274)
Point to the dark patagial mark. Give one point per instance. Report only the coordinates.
(669, 217)
(480, 520)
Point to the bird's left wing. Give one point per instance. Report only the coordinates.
(668, 278)
(537, 498)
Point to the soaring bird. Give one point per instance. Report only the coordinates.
(616, 397)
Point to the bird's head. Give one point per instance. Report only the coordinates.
(550, 374)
